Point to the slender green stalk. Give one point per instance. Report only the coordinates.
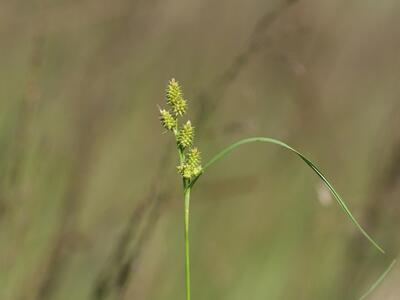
(186, 192)
(187, 254)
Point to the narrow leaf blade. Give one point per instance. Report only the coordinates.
(319, 173)
(378, 281)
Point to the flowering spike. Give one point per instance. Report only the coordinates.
(173, 91)
(186, 135)
(191, 166)
(185, 170)
(175, 98)
(167, 120)
(193, 157)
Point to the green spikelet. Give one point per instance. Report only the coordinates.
(191, 167)
(186, 171)
(175, 98)
(167, 120)
(193, 157)
(186, 135)
(174, 91)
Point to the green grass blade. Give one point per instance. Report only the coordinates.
(335, 194)
(378, 281)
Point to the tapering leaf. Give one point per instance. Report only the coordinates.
(378, 281)
(335, 194)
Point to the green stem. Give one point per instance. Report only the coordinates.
(186, 189)
(187, 256)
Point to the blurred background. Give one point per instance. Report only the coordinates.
(90, 202)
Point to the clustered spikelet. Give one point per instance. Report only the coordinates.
(193, 157)
(186, 135)
(189, 171)
(175, 98)
(167, 120)
(190, 165)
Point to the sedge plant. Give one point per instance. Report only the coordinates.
(190, 169)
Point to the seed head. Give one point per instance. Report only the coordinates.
(191, 166)
(186, 135)
(185, 171)
(175, 98)
(167, 120)
(193, 157)
(188, 171)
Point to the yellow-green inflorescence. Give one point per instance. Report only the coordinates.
(190, 165)
(175, 98)
(167, 120)
(186, 135)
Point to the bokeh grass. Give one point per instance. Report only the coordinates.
(79, 85)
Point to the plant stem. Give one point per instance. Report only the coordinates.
(187, 256)
(186, 189)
